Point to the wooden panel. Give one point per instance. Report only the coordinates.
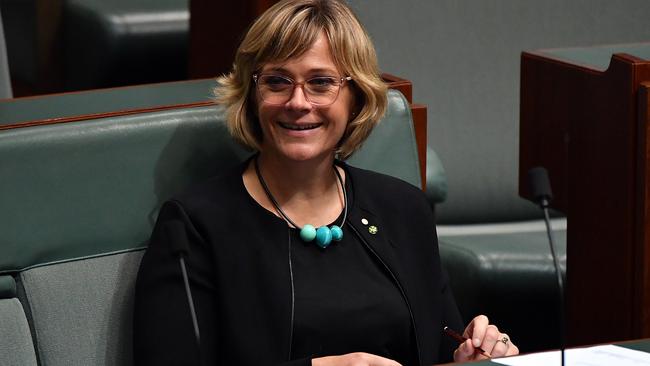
(47, 74)
(49, 45)
(404, 86)
(582, 125)
(419, 112)
(216, 29)
(642, 257)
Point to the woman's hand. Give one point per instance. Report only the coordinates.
(354, 359)
(482, 334)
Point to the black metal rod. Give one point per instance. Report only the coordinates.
(560, 280)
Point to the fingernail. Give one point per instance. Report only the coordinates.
(477, 342)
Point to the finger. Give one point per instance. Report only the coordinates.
(464, 352)
(490, 339)
(354, 359)
(381, 361)
(502, 345)
(512, 350)
(476, 330)
(361, 358)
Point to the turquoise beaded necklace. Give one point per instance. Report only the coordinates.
(323, 235)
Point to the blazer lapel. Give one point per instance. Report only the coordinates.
(372, 232)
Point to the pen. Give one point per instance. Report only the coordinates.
(461, 339)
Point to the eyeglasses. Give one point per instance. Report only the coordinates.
(319, 91)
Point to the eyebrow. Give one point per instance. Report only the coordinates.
(281, 69)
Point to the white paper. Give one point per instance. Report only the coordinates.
(608, 355)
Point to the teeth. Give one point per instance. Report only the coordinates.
(299, 127)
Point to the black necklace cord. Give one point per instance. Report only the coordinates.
(277, 205)
(293, 295)
(345, 196)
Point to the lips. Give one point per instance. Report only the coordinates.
(299, 126)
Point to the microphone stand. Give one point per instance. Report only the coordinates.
(560, 281)
(180, 248)
(186, 281)
(541, 191)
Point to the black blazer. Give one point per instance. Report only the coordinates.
(240, 279)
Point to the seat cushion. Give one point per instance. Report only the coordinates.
(82, 310)
(16, 347)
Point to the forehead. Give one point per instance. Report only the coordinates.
(317, 58)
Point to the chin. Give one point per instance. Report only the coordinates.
(307, 153)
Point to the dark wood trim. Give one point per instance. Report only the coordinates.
(28, 97)
(404, 86)
(419, 114)
(91, 116)
(642, 249)
(584, 126)
(216, 29)
(49, 45)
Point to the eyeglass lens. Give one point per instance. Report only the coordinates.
(276, 89)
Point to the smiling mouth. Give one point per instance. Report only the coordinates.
(300, 127)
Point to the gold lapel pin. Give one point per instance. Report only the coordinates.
(372, 229)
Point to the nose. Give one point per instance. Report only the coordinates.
(298, 100)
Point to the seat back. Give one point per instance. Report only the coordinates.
(81, 309)
(80, 199)
(15, 338)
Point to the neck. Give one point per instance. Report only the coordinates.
(298, 179)
(308, 192)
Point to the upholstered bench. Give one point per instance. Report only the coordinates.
(501, 268)
(83, 175)
(505, 270)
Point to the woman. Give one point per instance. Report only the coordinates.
(366, 287)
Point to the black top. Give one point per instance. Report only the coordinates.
(341, 282)
(239, 270)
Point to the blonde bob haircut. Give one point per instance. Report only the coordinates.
(287, 30)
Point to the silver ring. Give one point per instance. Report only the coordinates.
(505, 340)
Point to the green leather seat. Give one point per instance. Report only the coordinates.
(505, 270)
(80, 199)
(500, 265)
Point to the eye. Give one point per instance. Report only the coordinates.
(322, 83)
(275, 82)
